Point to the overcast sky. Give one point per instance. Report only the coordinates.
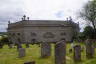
(13, 10)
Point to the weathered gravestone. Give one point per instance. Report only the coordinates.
(45, 49)
(77, 53)
(89, 48)
(21, 52)
(60, 52)
(33, 62)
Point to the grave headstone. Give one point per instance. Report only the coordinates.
(77, 53)
(60, 52)
(45, 49)
(89, 48)
(21, 52)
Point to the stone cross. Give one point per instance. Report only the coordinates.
(45, 49)
(21, 52)
(60, 52)
(89, 48)
(77, 53)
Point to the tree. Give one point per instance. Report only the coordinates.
(81, 37)
(88, 32)
(89, 14)
(5, 40)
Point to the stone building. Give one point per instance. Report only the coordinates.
(32, 31)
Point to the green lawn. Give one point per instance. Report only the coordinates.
(10, 56)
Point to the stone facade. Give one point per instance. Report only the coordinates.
(29, 31)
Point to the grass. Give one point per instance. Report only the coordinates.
(10, 56)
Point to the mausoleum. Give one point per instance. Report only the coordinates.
(32, 31)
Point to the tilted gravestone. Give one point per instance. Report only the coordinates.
(89, 48)
(21, 52)
(45, 49)
(60, 52)
(77, 53)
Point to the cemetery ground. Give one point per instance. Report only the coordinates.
(10, 56)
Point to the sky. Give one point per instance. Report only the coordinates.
(13, 10)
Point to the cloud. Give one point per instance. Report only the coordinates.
(10, 10)
(38, 9)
